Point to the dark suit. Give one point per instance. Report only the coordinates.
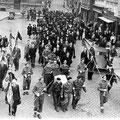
(16, 99)
(17, 56)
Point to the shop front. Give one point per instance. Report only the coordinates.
(85, 14)
(97, 11)
(108, 20)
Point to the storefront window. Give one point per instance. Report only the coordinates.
(24, 1)
(6, 0)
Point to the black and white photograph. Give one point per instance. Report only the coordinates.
(59, 59)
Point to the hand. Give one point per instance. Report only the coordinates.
(80, 71)
(74, 56)
(37, 94)
(25, 75)
(44, 89)
(61, 96)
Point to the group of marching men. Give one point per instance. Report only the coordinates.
(54, 40)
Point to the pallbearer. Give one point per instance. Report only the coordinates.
(103, 88)
(26, 72)
(78, 85)
(38, 90)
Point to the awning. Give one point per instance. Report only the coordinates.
(84, 7)
(97, 10)
(106, 20)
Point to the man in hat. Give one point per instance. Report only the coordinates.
(38, 90)
(84, 54)
(16, 57)
(67, 91)
(103, 88)
(78, 85)
(56, 90)
(81, 69)
(26, 72)
(26, 51)
(32, 53)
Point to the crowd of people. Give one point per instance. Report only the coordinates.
(55, 38)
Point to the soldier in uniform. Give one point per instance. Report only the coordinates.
(38, 90)
(81, 69)
(55, 67)
(48, 74)
(67, 91)
(26, 72)
(111, 77)
(103, 88)
(56, 90)
(78, 85)
(65, 69)
(16, 57)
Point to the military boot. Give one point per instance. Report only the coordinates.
(35, 114)
(102, 110)
(39, 116)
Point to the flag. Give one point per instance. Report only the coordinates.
(10, 42)
(19, 36)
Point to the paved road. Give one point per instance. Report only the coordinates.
(89, 103)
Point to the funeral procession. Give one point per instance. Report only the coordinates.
(59, 59)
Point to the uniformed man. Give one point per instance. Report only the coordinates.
(81, 69)
(78, 85)
(103, 88)
(56, 90)
(55, 67)
(38, 90)
(111, 77)
(65, 69)
(67, 91)
(48, 74)
(16, 57)
(26, 72)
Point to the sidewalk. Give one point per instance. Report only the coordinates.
(3, 15)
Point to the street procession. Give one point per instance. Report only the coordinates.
(55, 62)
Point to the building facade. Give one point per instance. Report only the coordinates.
(87, 10)
(21, 4)
(104, 12)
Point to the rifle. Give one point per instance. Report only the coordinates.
(43, 90)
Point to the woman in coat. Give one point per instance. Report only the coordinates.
(16, 96)
(13, 97)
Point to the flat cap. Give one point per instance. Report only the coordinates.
(68, 78)
(78, 77)
(58, 79)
